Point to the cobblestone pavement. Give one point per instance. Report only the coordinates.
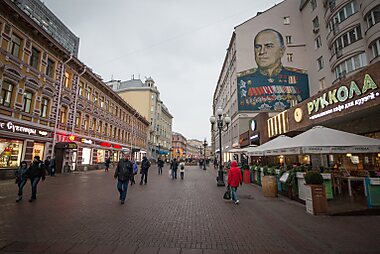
(80, 213)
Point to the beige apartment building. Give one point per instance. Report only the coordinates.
(145, 97)
(179, 146)
(323, 44)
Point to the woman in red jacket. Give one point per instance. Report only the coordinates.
(234, 179)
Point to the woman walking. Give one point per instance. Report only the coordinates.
(21, 178)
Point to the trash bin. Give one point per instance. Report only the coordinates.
(373, 191)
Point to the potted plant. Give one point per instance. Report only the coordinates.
(316, 202)
(269, 182)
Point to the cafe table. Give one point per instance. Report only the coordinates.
(354, 178)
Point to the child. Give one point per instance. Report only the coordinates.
(21, 178)
(182, 169)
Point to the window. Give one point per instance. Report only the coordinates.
(86, 122)
(290, 57)
(102, 102)
(349, 65)
(88, 93)
(15, 45)
(317, 42)
(313, 4)
(67, 80)
(373, 17)
(50, 68)
(322, 83)
(100, 126)
(63, 114)
(287, 20)
(346, 39)
(316, 23)
(33, 61)
(342, 15)
(95, 97)
(375, 49)
(6, 94)
(81, 87)
(93, 124)
(44, 107)
(27, 102)
(320, 63)
(77, 119)
(288, 39)
(107, 106)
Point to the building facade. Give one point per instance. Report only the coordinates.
(324, 42)
(145, 97)
(51, 104)
(179, 146)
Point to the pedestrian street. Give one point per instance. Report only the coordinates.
(80, 213)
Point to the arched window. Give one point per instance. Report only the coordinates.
(44, 107)
(6, 94)
(27, 101)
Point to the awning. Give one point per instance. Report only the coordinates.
(274, 143)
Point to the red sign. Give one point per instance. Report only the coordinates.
(116, 146)
(71, 138)
(105, 144)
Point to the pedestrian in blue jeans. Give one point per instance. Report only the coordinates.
(21, 178)
(123, 173)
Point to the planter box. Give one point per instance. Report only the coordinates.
(316, 202)
(269, 186)
(247, 177)
(373, 190)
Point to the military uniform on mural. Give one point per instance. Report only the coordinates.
(277, 92)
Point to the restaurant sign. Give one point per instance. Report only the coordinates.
(343, 97)
(10, 126)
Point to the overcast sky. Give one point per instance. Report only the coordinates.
(180, 44)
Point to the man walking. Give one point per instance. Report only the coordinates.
(107, 164)
(35, 173)
(234, 179)
(174, 168)
(145, 165)
(160, 164)
(123, 172)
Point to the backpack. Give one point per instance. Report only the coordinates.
(135, 168)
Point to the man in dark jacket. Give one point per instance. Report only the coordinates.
(160, 164)
(145, 164)
(174, 168)
(35, 173)
(123, 172)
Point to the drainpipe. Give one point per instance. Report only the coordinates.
(76, 100)
(59, 103)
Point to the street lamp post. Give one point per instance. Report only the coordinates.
(200, 156)
(221, 123)
(204, 161)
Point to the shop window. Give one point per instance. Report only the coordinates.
(100, 156)
(15, 45)
(50, 68)
(33, 60)
(6, 94)
(38, 150)
(10, 153)
(27, 103)
(86, 155)
(44, 107)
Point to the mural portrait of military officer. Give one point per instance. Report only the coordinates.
(271, 86)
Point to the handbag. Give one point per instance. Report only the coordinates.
(227, 194)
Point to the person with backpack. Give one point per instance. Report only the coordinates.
(182, 169)
(36, 171)
(145, 165)
(123, 172)
(174, 168)
(135, 170)
(21, 178)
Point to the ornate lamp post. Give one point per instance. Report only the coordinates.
(204, 161)
(221, 123)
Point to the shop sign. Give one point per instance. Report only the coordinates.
(86, 141)
(341, 98)
(105, 144)
(116, 146)
(21, 129)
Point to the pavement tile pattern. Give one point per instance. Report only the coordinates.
(81, 213)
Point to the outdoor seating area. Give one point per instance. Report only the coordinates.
(348, 165)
